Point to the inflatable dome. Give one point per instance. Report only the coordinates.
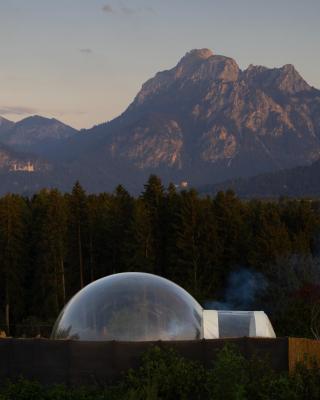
(130, 306)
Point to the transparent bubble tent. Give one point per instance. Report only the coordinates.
(130, 307)
(135, 306)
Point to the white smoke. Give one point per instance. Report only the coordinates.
(244, 286)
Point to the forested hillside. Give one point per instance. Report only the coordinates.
(296, 182)
(53, 244)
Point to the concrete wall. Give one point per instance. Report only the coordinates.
(78, 363)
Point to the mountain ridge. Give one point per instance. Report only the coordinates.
(36, 134)
(5, 124)
(203, 121)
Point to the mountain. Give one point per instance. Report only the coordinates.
(5, 124)
(301, 181)
(36, 134)
(206, 120)
(203, 121)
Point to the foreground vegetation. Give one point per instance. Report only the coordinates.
(165, 375)
(53, 244)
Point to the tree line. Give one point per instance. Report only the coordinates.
(53, 244)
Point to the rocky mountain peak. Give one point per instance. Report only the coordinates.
(196, 55)
(285, 79)
(206, 119)
(290, 80)
(195, 66)
(203, 64)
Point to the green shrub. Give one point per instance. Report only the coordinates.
(228, 379)
(167, 376)
(306, 381)
(23, 390)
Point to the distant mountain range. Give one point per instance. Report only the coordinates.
(35, 134)
(203, 121)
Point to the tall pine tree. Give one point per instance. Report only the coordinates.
(13, 235)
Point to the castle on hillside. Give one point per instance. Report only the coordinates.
(28, 167)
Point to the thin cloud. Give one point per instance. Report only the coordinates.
(127, 10)
(86, 51)
(69, 112)
(7, 111)
(108, 9)
(149, 9)
(17, 110)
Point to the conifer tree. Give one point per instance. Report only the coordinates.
(100, 235)
(49, 233)
(171, 219)
(270, 239)
(140, 247)
(153, 197)
(13, 234)
(233, 230)
(78, 231)
(121, 214)
(188, 242)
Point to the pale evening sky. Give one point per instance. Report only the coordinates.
(83, 61)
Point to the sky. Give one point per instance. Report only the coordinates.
(83, 61)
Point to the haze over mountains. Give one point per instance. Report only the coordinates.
(203, 121)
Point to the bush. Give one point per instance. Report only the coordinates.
(167, 376)
(228, 379)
